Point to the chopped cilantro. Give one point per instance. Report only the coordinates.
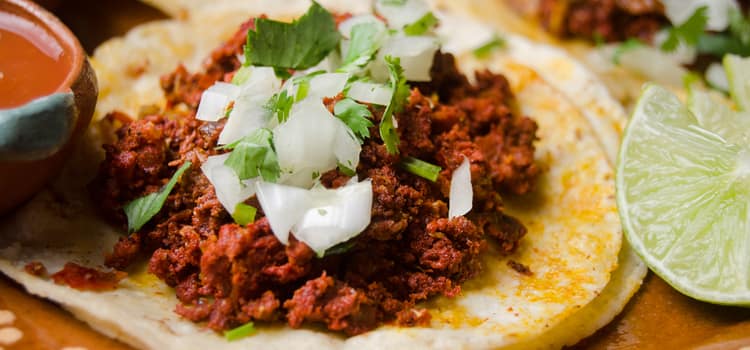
(365, 41)
(297, 45)
(739, 26)
(628, 45)
(253, 156)
(244, 214)
(422, 25)
(280, 104)
(400, 94)
(486, 49)
(240, 332)
(346, 170)
(688, 32)
(356, 116)
(734, 41)
(393, 2)
(421, 168)
(142, 209)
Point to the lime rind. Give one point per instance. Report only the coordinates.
(684, 197)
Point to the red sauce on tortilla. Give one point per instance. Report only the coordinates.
(85, 278)
(32, 63)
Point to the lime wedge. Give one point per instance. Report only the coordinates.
(683, 193)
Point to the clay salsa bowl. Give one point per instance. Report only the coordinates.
(48, 92)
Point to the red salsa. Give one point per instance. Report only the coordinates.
(32, 63)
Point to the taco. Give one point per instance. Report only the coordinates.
(629, 43)
(482, 228)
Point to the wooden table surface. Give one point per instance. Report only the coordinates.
(656, 318)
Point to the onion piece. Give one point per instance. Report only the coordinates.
(345, 28)
(215, 100)
(336, 216)
(416, 54)
(399, 15)
(312, 141)
(459, 34)
(716, 76)
(373, 93)
(678, 11)
(283, 206)
(305, 140)
(249, 112)
(461, 193)
(327, 84)
(229, 189)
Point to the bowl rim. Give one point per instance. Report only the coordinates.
(65, 37)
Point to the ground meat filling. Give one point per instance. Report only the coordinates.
(608, 20)
(227, 275)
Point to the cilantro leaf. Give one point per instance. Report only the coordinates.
(356, 116)
(280, 104)
(400, 94)
(297, 45)
(689, 31)
(628, 45)
(253, 156)
(486, 49)
(346, 170)
(422, 25)
(244, 214)
(365, 41)
(141, 210)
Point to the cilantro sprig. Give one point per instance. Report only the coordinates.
(356, 116)
(141, 210)
(300, 44)
(253, 156)
(365, 41)
(688, 32)
(398, 100)
(280, 104)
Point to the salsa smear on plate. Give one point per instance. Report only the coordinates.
(355, 134)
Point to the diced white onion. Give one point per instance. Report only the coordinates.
(650, 62)
(416, 54)
(717, 76)
(283, 206)
(400, 15)
(346, 148)
(229, 189)
(306, 139)
(336, 216)
(215, 100)
(327, 84)
(679, 11)
(461, 193)
(312, 141)
(249, 112)
(374, 93)
(461, 34)
(345, 28)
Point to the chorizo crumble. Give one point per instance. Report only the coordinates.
(228, 275)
